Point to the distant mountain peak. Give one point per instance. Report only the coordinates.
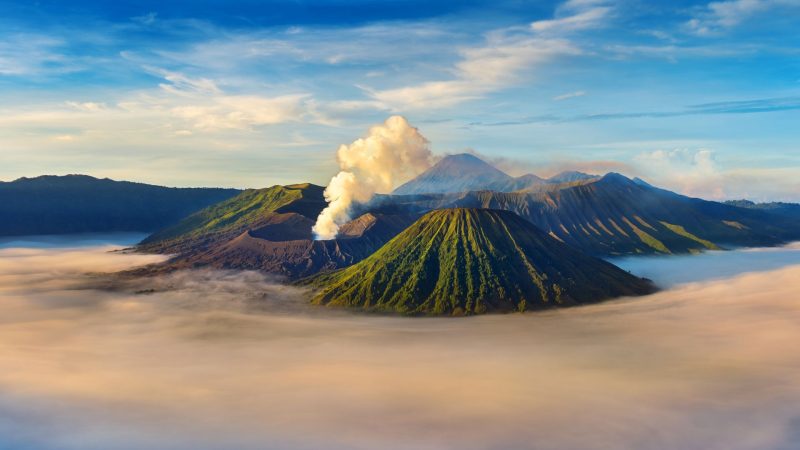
(464, 172)
(617, 177)
(530, 177)
(569, 176)
(466, 161)
(463, 157)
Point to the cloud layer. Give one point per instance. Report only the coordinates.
(208, 360)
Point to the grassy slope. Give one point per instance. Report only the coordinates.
(470, 261)
(615, 216)
(232, 217)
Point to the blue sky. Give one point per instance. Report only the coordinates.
(699, 97)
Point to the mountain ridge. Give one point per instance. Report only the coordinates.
(464, 172)
(472, 261)
(61, 204)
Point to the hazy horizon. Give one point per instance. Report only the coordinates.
(785, 198)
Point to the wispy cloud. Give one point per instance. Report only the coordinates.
(28, 54)
(721, 15)
(146, 19)
(183, 102)
(482, 70)
(764, 105)
(569, 95)
(87, 106)
(501, 60)
(575, 15)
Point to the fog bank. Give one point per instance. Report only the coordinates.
(210, 360)
(672, 270)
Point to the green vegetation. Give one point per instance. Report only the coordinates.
(472, 261)
(231, 217)
(679, 230)
(734, 224)
(646, 238)
(631, 214)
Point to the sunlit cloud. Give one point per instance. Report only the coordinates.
(696, 172)
(64, 138)
(206, 360)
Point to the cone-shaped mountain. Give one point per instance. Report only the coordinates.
(462, 173)
(472, 261)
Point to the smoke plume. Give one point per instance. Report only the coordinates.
(390, 153)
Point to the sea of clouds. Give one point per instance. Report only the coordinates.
(235, 360)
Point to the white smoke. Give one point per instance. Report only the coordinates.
(391, 153)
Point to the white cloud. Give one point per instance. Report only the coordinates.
(87, 106)
(690, 171)
(181, 106)
(507, 56)
(718, 16)
(180, 84)
(146, 19)
(26, 55)
(482, 70)
(243, 112)
(200, 104)
(569, 95)
(575, 15)
(696, 172)
(371, 45)
(64, 138)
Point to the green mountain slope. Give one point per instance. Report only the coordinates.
(270, 230)
(291, 209)
(472, 261)
(614, 215)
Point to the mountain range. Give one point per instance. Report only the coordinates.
(270, 229)
(782, 208)
(462, 238)
(83, 204)
(465, 172)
